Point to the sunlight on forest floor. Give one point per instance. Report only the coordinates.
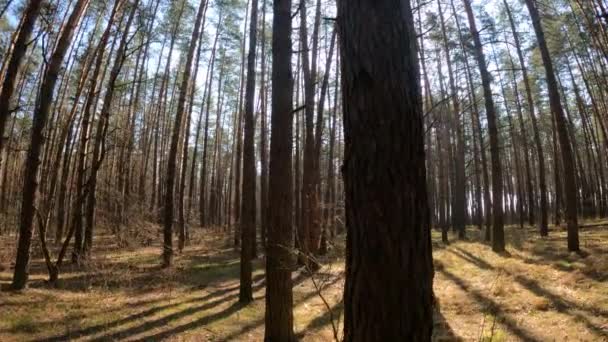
(535, 292)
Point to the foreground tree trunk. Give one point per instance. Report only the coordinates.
(41, 112)
(562, 130)
(279, 260)
(388, 291)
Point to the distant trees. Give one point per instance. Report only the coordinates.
(388, 290)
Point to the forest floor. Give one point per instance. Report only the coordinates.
(537, 291)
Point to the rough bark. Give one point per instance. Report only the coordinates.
(388, 291)
(279, 260)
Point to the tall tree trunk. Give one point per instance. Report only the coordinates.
(203, 214)
(279, 261)
(87, 113)
(184, 215)
(319, 139)
(308, 186)
(161, 123)
(41, 112)
(388, 291)
(175, 137)
(30, 14)
(99, 148)
(249, 174)
(542, 184)
(459, 202)
(531, 205)
(264, 210)
(498, 238)
(562, 130)
(239, 140)
(477, 131)
(199, 127)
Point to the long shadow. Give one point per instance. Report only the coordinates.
(92, 330)
(492, 306)
(550, 256)
(566, 306)
(161, 322)
(247, 328)
(217, 267)
(442, 331)
(561, 304)
(193, 324)
(326, 318)
(236, 306)
(475, 260)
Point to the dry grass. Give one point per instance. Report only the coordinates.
(536, 292)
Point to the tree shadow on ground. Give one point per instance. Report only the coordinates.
(195, 271)
(442, 331)
(490, 307)
(194, 306)
(211, 300)
(238, 334)
(562, 305)
(467, 256)
(566, 306)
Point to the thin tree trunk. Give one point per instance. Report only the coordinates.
(175, 137)
(41, 112)
(498, 238)
(564, 141)
(543, 224)
(248, 221)
(99, 148)
(459, 202)
(30, 14)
